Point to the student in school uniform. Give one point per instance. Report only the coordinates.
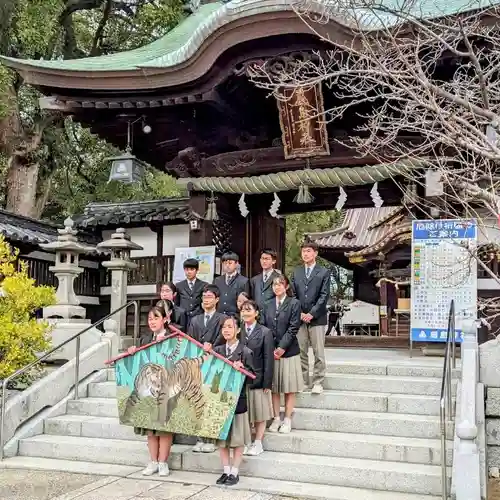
(230, 284)
(189, 291)
(159, 443)
(310, 283)
(260, 341)
(239, 434)
(207, 329)
(261, 288)
(282, 317)
(168, 291)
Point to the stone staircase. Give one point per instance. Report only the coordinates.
(372, 435)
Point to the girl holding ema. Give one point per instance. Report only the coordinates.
(159, 443)
(239, 434)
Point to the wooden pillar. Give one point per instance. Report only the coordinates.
(161, 274)
(384, 319)
(203, 234)
(264, 231)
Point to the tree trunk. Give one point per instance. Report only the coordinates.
(22, 188)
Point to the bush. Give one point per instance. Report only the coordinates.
(22, 336)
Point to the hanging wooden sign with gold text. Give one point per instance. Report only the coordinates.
(303, 123)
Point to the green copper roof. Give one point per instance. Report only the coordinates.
(180, 44)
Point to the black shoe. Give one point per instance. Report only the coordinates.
(222, 479)
(232, 480)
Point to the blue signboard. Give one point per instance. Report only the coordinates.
(443, 270)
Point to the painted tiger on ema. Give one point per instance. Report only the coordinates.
(167, 386)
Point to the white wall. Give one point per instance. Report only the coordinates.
(173, 237)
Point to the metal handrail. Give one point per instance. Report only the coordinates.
(445, 401)
(77, 336)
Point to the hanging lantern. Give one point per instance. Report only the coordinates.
(126, 168)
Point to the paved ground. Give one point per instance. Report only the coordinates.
(494, 489)
(48, 485)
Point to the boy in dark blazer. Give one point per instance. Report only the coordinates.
(189, 291)
(311, 285)
(230, 284)
(207, 329)
(261, 288)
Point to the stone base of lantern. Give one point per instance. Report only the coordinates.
(64, 311)
(64, 329)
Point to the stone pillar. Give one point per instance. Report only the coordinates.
(67, 317)
(120, 264)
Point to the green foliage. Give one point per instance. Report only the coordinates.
(223, 397)
(73, 170)
(21, 335)
(298, 225)
(83, 175)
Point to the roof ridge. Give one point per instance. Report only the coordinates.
(172, 199)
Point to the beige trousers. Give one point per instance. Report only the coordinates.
(313, 336)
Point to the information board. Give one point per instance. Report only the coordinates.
(204, 255)
(443, 268)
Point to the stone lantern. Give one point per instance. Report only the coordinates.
(66, 269)
(119, 264)
(67, 317)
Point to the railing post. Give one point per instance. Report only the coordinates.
(467, 460)
(77, 366)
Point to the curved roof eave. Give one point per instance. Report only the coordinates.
(185, 41)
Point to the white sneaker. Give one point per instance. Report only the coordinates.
(198, 447)
(245, 449)
(208, 448)
(163, 469)
(317, 389)
(275, 426)
(286, 428)
(152, 468)
(255, 449)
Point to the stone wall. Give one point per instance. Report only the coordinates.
(489, 358)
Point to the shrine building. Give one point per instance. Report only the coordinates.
(186, 105)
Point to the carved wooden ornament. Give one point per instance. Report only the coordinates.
(303, 123)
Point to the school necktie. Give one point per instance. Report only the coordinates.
(308, 272)
(191, 284)
(207, 319)
(266, 277)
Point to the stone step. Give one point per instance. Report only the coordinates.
(387, 384)
(376, 368)
(333, 400)
(396, 449)
(266, 487)
(347, 472)
(385, 424)
(107, 451)
(350, 472)
(379, 383)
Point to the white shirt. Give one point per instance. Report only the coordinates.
(231, 348)
(310, 268)
(249, 329)
(208, 317)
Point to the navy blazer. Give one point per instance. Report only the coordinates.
(229, 293)
(313, 292)
(261, 342)
(284, 323)
(262, 292)
(212, 333)
(190, 300)
(245, 355)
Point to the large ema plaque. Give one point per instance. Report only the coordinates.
(175, 386)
